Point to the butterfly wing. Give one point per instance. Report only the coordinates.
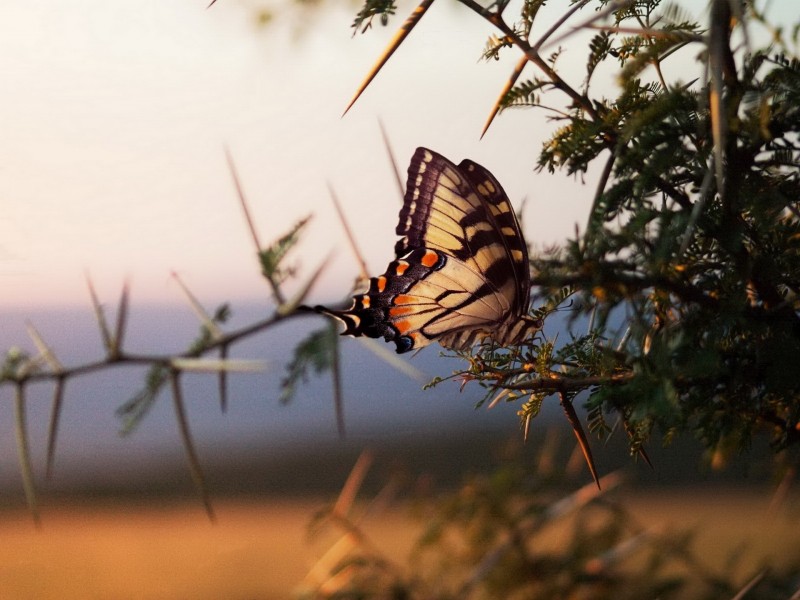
(461, 270)
(506, 223)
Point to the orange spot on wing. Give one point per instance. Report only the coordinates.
(402, 326)
(380, 283)
(430, 259)
(404, 299)
(401, 267)
(365, 301)
(399, 311)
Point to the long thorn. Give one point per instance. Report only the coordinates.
(122, 319)
(105, 332)
(398, 38)
(506, 88)
(24, 453)
(198, 309)
(336, 376)
(55, 419)
(243, 200)
(395, 166)
(47, 353)
(362, 265)
(223, 380)
(577, 429)
(186, 437)
(251, 224)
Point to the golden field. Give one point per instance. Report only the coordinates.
(260, 549)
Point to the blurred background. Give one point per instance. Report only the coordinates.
(115, 120)
(113, 167)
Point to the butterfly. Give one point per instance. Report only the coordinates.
(461, 271)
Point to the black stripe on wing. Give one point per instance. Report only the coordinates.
(506, 224)
(461, 271)
(439, 202)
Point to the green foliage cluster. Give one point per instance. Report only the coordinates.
(701, 270)
(689, 262)
(688, 265)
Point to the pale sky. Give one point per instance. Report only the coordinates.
(115, 115)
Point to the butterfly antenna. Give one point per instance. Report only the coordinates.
(398, 38)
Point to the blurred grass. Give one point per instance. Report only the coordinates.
(262, 550)
(150, 539)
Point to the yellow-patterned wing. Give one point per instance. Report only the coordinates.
(461, 271)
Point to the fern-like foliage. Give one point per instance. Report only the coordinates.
(382, 9)
(135, 410)
(692, 283)
(526, 93)
(688, 270)
(272, 257)
(312, 354)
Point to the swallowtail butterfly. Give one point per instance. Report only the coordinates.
(461, 270)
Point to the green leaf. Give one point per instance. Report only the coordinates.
(135, 409)
(371, 9)
(272, 257)
(314, 353)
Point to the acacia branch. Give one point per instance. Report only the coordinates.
(533, 55)
(561, 383)
(124, 358)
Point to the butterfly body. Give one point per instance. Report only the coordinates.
(461, 269)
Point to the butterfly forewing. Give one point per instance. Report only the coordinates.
(506, 223)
